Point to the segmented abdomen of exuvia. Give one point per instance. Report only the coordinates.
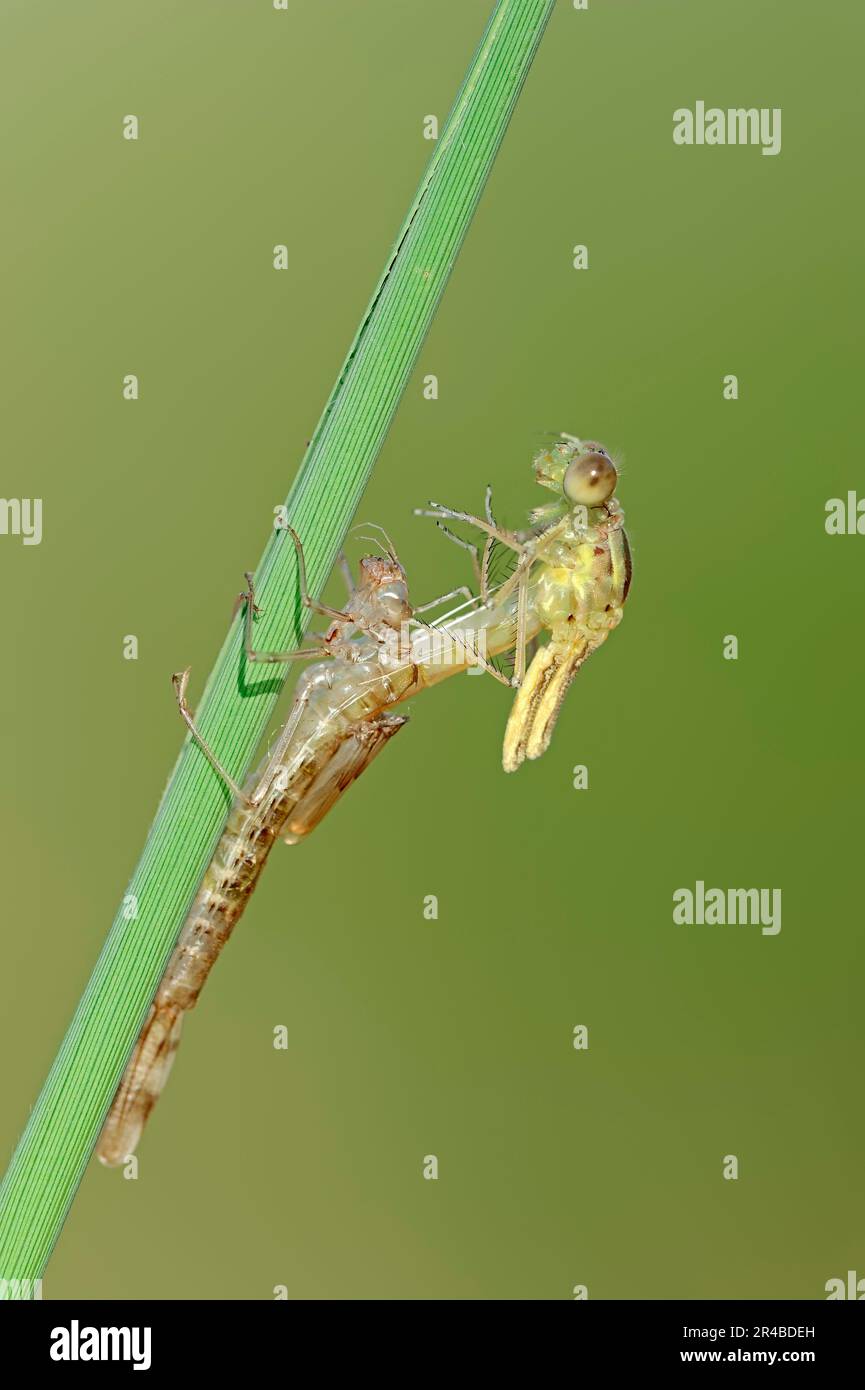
(227, 887)
(225, 890)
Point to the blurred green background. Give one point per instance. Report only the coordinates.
(303, 1168)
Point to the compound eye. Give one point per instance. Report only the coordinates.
(590, 480)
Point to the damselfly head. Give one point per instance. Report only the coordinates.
(580, 470)
(385, 589)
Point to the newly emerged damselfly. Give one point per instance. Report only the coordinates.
(569, 578)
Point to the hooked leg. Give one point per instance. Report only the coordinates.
(518, 580)
(489, 528)
(335, 614)
(487, 524)
(305, 598)
(180, 680)
(251, 609)
(297, 653)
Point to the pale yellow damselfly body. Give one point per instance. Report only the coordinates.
(571, 577)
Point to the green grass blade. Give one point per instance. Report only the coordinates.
(56, 1145)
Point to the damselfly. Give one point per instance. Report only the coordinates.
(570, 578)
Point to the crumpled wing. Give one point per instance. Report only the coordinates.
(539, 699)
(501, 561)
